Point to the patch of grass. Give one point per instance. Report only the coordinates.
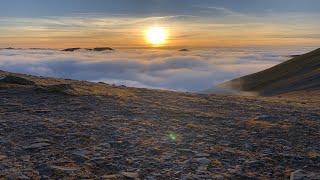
(85, 88)
(4, 86)
(216, 162)
(62, 88)
(284, 125)
(100, 89)
(58, 85)
(261, 124)
(124, 129)
(311, 123)
(155, 150)
(313, 154)
(146, 123)
(267, 124)
(207, 114)
(196, 99)
(219, 147)
(193, 126)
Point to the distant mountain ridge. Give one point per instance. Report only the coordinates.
(300, 74)
(89, 49)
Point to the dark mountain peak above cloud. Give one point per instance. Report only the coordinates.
(184, 50)
(102, 49)
(98, 49)
(71, 49)
(7, 48)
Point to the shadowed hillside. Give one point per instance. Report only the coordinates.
(64, 129)
(300, 75)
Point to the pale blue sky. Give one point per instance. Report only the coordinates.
(40, 8)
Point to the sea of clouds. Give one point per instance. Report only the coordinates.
(196, 70)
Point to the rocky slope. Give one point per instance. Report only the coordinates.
(300, 74)
(64, 129)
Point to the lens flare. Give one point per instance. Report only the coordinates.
(173, 137)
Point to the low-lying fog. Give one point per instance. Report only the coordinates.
(194, 70)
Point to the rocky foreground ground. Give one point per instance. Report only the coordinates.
(64, 129)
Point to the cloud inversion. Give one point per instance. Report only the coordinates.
(153, 68)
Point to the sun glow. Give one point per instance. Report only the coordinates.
(156, 35)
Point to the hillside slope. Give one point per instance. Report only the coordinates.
(64, 129)
(300, 74)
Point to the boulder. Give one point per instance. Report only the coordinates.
(15, 80)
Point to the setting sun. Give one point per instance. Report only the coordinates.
(156, 35)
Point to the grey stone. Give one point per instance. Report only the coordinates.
(184, 150)
(64, 170)
(25, 158)
(203, 161)
(202, 168)
(131, 175)
(105, 145)
(16, 176)
(3, 157)
(41, 140)
(5, 172)
(113, 176)
(265, 117)
(36, 146)
(80, 153)
(201, 155)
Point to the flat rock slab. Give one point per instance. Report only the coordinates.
(202, 155)
(18, 175)
(6, 172)
(131, 175)
(36, 146)
(112, 177)
(64, 170)
(304, 175)
(202, 161)
(265, 117)
(2, 157)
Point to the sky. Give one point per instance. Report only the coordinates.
(189, 23)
